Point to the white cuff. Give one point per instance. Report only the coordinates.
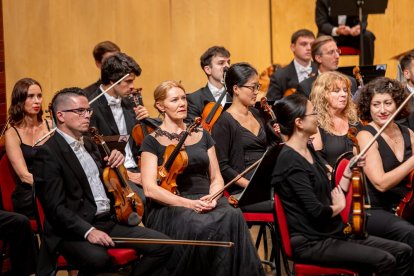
(87, 233)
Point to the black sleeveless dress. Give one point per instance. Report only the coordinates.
(224, 223)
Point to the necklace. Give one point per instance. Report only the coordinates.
(159, 132)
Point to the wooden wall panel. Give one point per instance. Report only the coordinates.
(52, 40)
(3, 101)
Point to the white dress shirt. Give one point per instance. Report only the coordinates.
(217, 93)
(302, 72)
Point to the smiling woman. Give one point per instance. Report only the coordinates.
(27, 126)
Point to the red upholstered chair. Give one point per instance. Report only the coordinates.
(349, 51)
(121, 257)
(298, 268)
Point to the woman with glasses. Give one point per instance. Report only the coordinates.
(332, 99)
(312, 207)
(192, 213)
(27, 126)
(389, 160)
(239, 132)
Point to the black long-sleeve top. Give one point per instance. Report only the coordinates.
(305, 191)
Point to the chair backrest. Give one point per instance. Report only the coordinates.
(283, 227)
(7, 183)
(338, 171)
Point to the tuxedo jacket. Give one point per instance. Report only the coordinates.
(103, 119)
(91, 89)
(305, 87)
(198, 99)
(326, 22)
(283, 79)
(66, 197)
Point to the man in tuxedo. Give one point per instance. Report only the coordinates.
(100, 52)
(16, 231)
(326, 55)
(345, 29)
(298, 70)
(79, 220)
(213, 61)
(407, 67)
(115, 113)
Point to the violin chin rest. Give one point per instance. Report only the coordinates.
(134, 219)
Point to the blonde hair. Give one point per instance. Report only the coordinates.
(160, 93)
(325, 83)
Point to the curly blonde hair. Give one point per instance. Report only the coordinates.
(325, 83)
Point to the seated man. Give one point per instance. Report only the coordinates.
(345, 29)
(78, 215)
(298, 70)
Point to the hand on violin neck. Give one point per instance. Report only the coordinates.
(115, 159)
(141, 112)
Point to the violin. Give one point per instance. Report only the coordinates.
(128, 206)
(143, 128)
(266, 107)
(213, 110)
(175, 161)
(289, 92)
(405, 208)
(357, 74)
(359, 189)
(2, 136)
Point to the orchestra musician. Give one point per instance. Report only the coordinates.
(301, 67)
(331, 97)
(325, 54)
(240, 130)
(212, 62)
(101, 51)
(78, 214)
(389, 160)
(191, 214)
(407, 67)
(312, 207)
(27, 126)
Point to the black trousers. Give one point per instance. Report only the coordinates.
(387, 225)
(365, 256)
(353, 41)
(17, 231)
(91, 258)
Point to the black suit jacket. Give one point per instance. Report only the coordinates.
(326, 22)
(305, 87)
(283, 79)
(91, 89)
(66, 197)
(103, 119)
(198, 99)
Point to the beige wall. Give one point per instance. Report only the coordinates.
(52, 40)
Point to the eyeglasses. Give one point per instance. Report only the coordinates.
(332, 52)
(80, 111)
(253, 87)
(311, 114)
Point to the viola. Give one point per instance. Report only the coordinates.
(143, 128)
(405, 208)
(128, 206)
(213, 110)
(359, 189)
(175, 161)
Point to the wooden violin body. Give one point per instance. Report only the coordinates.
(358, 203)
(168, 179)
(211, 113)
(143, 128)
(405, 209)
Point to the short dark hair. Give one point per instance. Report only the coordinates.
(382, 85)
(18, 98)
(238, 74)
(405, 61)
(104, 47)
(211, 52)
(62, 96)
(288, 109)
(117, 66)
(300, 33)
(318, 43)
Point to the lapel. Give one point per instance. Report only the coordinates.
(73, 164)
(291, 73)
(106, 112)
(129, 116)
(314, 68)
(207, 95)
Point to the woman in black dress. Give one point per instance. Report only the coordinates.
(240, 132)
(312, 207)
(389, 160)
(190, 215)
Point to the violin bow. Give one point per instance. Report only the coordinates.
(166, 241)
(90, 102)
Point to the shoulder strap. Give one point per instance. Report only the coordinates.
(20, 138)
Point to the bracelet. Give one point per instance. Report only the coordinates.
(346, 177)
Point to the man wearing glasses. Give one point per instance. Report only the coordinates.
(325, 54)
(78, 214)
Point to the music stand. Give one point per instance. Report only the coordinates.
(259, 188)
(358, 8)
(117, 142)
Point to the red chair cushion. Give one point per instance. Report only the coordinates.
(349, 51)
(259, 217)
(305, 269)
(7, 183)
